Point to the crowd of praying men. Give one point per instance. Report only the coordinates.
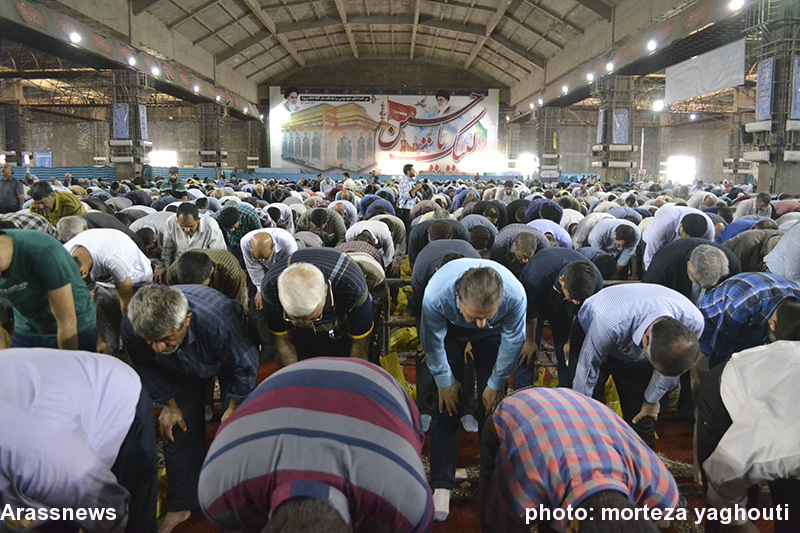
(123, 296)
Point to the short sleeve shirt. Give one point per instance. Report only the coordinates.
(39, 265)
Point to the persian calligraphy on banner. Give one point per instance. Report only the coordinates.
(365, 132)
(764, 89)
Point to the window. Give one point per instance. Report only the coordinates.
(164, 158)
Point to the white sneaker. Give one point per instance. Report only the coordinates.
(441, 504)
(425, 422)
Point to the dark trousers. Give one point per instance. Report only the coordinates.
(405, 216)
(444, 427)
(630, 378)
(560, 321)
(86, 341)
(428, 394)
(713, 421)
(184, 457)
(136, 468)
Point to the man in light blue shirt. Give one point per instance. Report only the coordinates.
(644, 336)
(483, 303)
(618, 238)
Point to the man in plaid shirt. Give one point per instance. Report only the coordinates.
(747, 310)
(561, 453)
(406, 200)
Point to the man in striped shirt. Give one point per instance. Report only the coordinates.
(316, 302)
(642, 335)
(547, 449)
(326, 443)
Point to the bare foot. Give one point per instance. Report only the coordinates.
(172, 519)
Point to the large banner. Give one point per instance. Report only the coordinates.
(359, 133)
(713, 71)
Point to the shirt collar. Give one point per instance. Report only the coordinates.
(639, 332)
(306, 488)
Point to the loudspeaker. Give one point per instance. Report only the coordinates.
(747, 138)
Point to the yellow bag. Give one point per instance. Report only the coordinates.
(611, 397)
(404, 339)
(540, 381)
(161, 499)
(405, 270)
(391, 364)
(402, 303)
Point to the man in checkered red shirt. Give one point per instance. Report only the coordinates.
(546, 449)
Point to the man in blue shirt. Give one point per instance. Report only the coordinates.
(642, 335)
(745, 310)
(618, 238)
(475, 301)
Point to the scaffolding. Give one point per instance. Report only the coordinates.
(548, 121)
(773, 29)
(253, 143)
(128, 121)
(617, 97)
(16, 134)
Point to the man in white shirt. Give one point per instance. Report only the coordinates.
(747, 432)
(110, 257)
(672, 222)
(78, 434)
(189, 231)
(261, 249)
(379, 236)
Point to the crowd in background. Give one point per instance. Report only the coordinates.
(189, 285)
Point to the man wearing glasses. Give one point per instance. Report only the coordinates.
(316, 302)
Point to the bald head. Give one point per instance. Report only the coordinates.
(339, 208)
(262, 247)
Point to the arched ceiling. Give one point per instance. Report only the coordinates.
(268, 40)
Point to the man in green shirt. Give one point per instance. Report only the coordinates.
(53, 205)
(52, 306)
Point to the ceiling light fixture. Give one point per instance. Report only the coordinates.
(609, 66)
(155, 71)
(131, 61)
(590, 77)
(75, 37)
(658, 105)
(652, 45)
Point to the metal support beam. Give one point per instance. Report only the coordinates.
(469, 29)
(535, 59)
(142, 5)
(502, 7)
(307, 24)
(414, 28)
(191, 15)
(597, 6)
(340, 7)
(456, 3)
(223, 27)
(269, 24)
(554, 15)
(534, 31)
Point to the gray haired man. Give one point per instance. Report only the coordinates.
(480, 302)
(178, 338)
